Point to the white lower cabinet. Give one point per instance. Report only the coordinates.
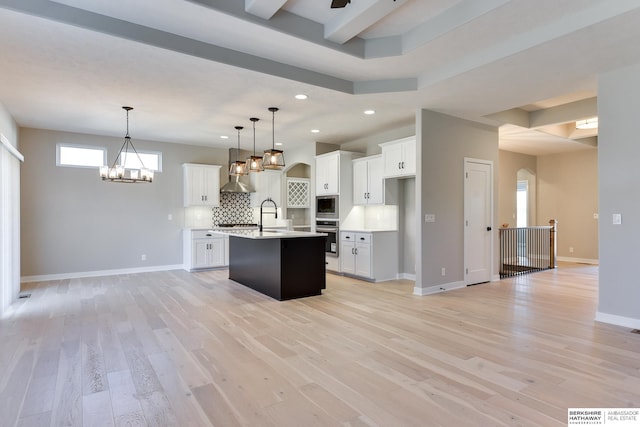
(370, 255)
(203, 249)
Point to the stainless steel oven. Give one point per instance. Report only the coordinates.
(332, 230)
(327, 207)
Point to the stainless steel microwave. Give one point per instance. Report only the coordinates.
(327, 207)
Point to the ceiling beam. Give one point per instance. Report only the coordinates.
(451, 19)
(357, 17)
(264, 9)
(572, 111)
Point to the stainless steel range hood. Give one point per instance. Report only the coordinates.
(237, 184)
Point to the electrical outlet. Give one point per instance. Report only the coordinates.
(596, 216)
(617, 219)
(143, 257)
(443, 271)
(429, 218)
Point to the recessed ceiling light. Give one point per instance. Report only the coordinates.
(224, 137)
(278, 143)
(369, 112)
(315, 130)
(301, 96)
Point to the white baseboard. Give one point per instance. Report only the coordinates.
(407, 276)
(628, 322)
(579, 260)
(81, 274)
(438, 288)
(495, 278)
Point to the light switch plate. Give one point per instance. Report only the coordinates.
(617, 219)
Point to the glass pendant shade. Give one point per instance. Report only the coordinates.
(273, 159)
(118, 172)
(238, 168)
(254, 163)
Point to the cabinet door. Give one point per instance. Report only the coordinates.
(360, 183)
(211, 186)
(409, 158)
(274, 186)
(347, 258)
(392, 158)
(200, 253)
(375, 169)
(216, 252)
(363, 259)
(327, 175)
(193, 191)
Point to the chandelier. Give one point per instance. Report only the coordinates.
(118, 172)
(273, 159)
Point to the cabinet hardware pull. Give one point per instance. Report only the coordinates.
(402, 165)
(356, 251)
(399, 165)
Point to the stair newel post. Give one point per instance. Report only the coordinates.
(553, 243)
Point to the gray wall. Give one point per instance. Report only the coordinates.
(568, 192)
(73, 222)
(407, 225)
(618, 155)
(510, 164)
(442, 144)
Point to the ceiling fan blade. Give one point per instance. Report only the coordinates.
(339, 3)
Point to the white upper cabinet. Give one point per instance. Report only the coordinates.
(328, 174)
(368, 181)
(268, 184)
(201, 185)
(399, 157)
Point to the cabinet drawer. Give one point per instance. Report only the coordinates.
(204, 234)
(363, 237)
(348, 236)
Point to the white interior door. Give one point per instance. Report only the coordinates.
(478, 212)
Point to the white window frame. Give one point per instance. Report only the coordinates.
(88, 147)
(145, 152)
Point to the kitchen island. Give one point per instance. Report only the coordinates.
(281, 264)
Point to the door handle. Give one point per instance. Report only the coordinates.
(488, 228)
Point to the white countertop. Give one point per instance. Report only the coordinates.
(284, 234)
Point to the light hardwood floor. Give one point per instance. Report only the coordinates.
(174, 348)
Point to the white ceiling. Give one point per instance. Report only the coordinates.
(195, 69)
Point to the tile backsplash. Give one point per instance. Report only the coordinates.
(235, 208)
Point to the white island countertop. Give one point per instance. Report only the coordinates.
(282, 234)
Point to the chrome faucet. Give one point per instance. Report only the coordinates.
(268, 199)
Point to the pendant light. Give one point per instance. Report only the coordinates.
(273, 159)
(238, 168)
(119, 172)
(254, 163)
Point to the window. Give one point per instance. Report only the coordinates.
(80, 156)
(152, 160)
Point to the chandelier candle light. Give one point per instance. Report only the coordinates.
(118, 171)
(254, 163)
(273, 159)
(238, 168)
